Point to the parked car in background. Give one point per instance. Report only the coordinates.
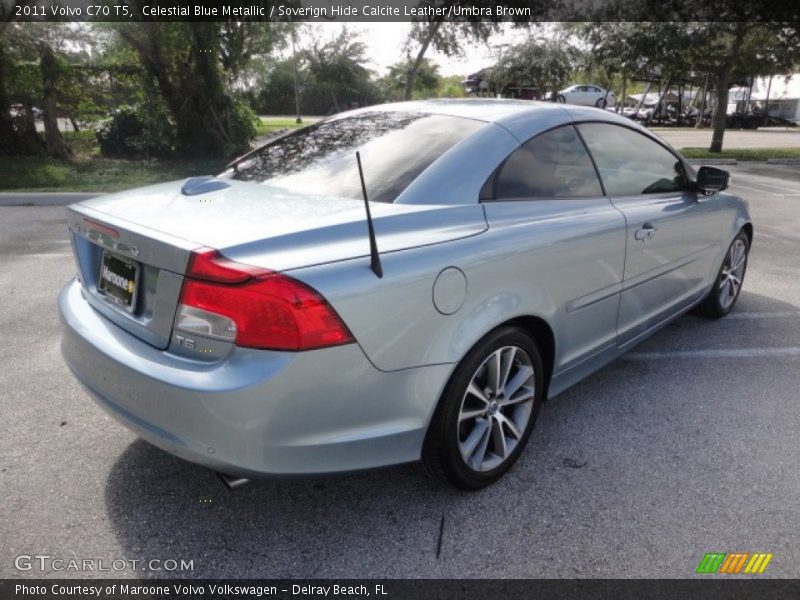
(585, 95)
(744, 120)
(247, 322)
(18, 111)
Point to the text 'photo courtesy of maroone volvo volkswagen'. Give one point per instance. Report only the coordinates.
(272, 321)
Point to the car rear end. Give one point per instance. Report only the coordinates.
(235, 367)
(193, 320)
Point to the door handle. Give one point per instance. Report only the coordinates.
(646, 232)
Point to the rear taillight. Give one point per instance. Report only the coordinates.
(255, 307)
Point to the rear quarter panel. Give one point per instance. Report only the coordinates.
(534, 260)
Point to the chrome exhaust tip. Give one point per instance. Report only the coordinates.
(233, 482)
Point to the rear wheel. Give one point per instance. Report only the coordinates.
(723, 295)
(601, 103)
(487, 411)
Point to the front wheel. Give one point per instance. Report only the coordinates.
(561, 99)
(728, 284)
(487, 411)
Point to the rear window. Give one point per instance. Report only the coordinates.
(320, 159)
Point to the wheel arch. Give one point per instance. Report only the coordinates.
(542, 334)
(536, 327)
(748, 229)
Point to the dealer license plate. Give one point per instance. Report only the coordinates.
(119, 280)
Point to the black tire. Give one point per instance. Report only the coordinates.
(601, 103)
(712, 305)
(561, 99)
(441, 454)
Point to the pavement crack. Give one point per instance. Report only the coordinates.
(441, 535)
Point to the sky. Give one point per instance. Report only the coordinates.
(384, 43)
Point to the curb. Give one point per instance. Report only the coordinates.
(44, 198)
(783, 161)
(713, 161)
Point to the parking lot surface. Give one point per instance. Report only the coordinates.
(687, 445)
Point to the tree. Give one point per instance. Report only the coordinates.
(51, 73)
(274, 93)
(20, 84)
(243, 43)
(728, 52)
(183, 61)
(426, 82)
(545, 64)
(633, 50)
(334, 76)
(47, 66)
(725, 51)
(450, 87)
(445, 37)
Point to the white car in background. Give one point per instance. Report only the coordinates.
(586, 95)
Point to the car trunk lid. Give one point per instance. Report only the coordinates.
(158, 227)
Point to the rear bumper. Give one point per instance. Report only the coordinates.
(257, 413)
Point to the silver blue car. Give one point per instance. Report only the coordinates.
(271, 322)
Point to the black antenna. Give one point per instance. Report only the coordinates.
(373, 245)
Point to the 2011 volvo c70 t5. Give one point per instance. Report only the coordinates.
(272, 321)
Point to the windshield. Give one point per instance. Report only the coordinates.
(320, 159)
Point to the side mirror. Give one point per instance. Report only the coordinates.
(711, 180)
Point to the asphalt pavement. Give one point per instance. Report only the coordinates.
(686, 445)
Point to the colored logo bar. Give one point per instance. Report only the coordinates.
(733, 563)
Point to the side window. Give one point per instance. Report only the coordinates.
(630, 163)
(554, 164)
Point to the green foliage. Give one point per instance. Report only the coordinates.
(243, 45)
(41, 174)
(743, 153)
(544, 64)
(242, 126)
(331, 75)
(722, 53)
(634, 49)
(334, 75)
(450, 87)
(446, 37)
(275, 95)
(426, 83)
(137, 133)
(182, 60)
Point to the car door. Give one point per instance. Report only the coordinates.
(672, 232)
(566, 239)
(580, 95)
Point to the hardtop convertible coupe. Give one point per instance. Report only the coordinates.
(271, 321)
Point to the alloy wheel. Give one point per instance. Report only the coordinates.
(730, 278)
(495, 408)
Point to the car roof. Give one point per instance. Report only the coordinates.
(491, 110)
(469, 163)
(522, 118)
